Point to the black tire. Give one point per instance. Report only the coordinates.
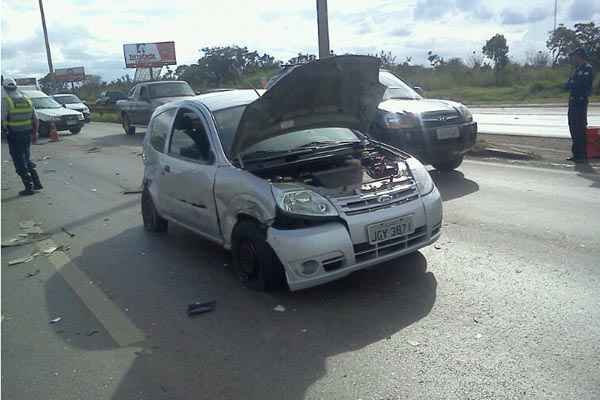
(153, 222)
(127, 127)
(254, 262)
(447, 166)
(75, 131)
(43, 130)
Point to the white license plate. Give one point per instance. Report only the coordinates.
(390, 229)
(448, 133)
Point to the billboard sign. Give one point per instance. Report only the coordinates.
(75, 74)
(26, 81)
(147, 55)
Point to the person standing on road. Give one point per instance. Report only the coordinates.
(580, 88)
(20, 123)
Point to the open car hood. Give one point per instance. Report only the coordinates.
(341, 91)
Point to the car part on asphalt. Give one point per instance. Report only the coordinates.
(201, 308)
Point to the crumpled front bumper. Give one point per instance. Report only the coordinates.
(339, 250)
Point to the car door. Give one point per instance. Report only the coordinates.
(190, 174)
(145, 106)
(156, 161)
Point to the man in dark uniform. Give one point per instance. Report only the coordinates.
(580, 87)
(20, 123)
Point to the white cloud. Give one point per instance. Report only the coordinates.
(92, 32)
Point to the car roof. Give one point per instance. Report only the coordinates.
(34, 93)
(226, 99)
(63, 94)
(218, 100)
(159, 82)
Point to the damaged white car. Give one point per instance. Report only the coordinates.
(286, 180)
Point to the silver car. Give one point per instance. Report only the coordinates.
(286, 180)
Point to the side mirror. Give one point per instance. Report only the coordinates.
(419, 90)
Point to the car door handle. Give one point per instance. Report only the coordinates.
(167, 168)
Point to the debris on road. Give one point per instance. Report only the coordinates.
(201, 308)
(94, 190)
(437, 247)
(27, 224)
(32, 274)
(21, 260)
(413, 343)
(91, 333)
(93, 149)
(279, 308)
(67, 232)
(133, 190)
(14, 242)
(49, 171)
(56, 320)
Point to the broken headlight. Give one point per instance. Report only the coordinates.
(304, 202)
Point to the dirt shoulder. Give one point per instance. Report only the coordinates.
(540, 151)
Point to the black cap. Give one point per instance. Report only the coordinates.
(580, 51)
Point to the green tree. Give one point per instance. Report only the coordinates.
(496, 50)
(302, 59)
(563, 41)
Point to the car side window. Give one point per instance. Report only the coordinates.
(160, 129)
(189, 139)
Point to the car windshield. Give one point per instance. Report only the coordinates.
(396, 89)
(44, 102)
(227, 121)
(173, 89)
(70, 99)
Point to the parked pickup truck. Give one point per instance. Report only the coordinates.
(145, 97)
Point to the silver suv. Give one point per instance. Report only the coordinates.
(286, 180)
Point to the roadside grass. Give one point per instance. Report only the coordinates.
(538, 92)
(105, 117)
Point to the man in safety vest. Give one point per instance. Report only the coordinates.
(20, 123)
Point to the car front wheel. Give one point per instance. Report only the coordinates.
(255, 263)
(153, 222)
(447, 166)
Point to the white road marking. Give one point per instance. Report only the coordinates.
(120, 328)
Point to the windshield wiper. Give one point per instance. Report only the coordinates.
(326, 144)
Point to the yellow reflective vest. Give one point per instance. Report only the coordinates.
(19, 114)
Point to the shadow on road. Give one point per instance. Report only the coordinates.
(119, 139)
(244, 349)
(453, 185)
(588, 172)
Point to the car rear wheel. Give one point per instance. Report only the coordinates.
(153, 222)
(127, 127)
(447, 166)
(75, 131)
(255, 263)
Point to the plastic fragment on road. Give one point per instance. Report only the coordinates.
(413, 343)
(93, 149)
(67, 232)
(133, 190)
(437, 247)
(279, 308)
(91, 333)
(21, 260)
(201, 308)
(94, 190)
(31, 274)
(27, 224)
(55, 320)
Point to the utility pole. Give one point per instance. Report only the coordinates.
(555, 9)
(323, 28)
(48, 55)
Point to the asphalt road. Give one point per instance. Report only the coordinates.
(529, 121)
(505, 307)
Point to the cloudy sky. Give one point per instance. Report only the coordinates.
(91, 32)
